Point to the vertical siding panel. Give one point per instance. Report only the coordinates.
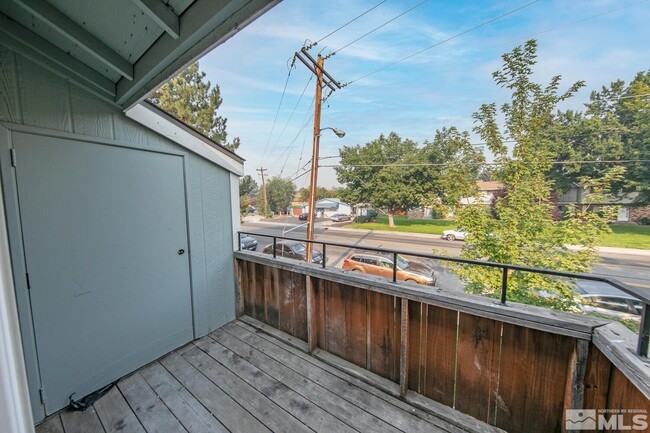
(532, 380)
(356, 324)
(437, 379)
(45, 97)
(90, 116)
(9, 93)
(478, 365)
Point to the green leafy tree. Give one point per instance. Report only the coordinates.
(321, 193)
(382, 174)
(615, 126)
(456, 165)
(633, 111)
(279, 193)
(522, 230)
(247, 186)
(195, 101)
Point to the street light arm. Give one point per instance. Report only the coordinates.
(338, 132)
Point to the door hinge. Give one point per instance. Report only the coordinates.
(41, 393)
(13, 157)
(29, 286)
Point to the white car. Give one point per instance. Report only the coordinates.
(452, 235)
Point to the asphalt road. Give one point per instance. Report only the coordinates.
(632, 269)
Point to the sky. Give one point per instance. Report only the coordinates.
(598, 41)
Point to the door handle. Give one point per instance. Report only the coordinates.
(181, 252)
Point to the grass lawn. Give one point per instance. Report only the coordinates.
(403, 224)
(627, 237)
(622, 236)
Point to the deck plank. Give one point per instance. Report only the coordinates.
(302, 409)
(263, 408)
(368, 398)
(232, 415)
(341, 408)
(150, 410)
(51, 425)
(189, 411)
(115, 413)
(81, 422)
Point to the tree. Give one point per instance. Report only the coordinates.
(456, 165)
(279, 193)
(195, 102)
(321, 193)
(633, 111)
(615, 126)
(382, 174)
(523, 231)
(247, 186)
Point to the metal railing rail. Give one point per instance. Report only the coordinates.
(644, 332)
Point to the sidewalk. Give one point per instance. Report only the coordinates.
(334, 228)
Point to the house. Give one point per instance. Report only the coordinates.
(117, 220)
(486, 192)
(579, 196)
(329, 206)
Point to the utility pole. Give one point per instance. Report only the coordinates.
(266, 203)
(316, 67)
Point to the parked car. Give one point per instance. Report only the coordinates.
(382, 265)
(293, 250)
(452, 235)
(248, 243)
(604, 299)
(305, 216)
(338, 217)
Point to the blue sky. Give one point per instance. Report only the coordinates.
(440, 87)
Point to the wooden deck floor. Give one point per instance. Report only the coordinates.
(240, 380)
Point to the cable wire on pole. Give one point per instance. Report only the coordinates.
(375, 29)
(277, 111)
(490, 21)
(311, 45)
(442, 164)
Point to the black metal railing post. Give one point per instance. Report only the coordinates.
(275, 247)
(239, 239)
(394, 267)
(644, 331)
(324, 254)
(504, 284)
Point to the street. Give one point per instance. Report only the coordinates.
(631, 269)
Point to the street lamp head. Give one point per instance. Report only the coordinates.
(338, 132)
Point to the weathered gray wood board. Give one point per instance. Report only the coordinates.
(236, 380)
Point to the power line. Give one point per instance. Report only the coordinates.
(375, 29)
(277, 111)
(302, 128)
(591, 17)
(443, 42)
(310, 46)
(442, 164)
(530, 36)
(288, 148)
(291, 116)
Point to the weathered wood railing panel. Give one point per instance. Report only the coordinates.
(274, 296)
(516, 368)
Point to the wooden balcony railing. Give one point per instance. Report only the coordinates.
(513, 366)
